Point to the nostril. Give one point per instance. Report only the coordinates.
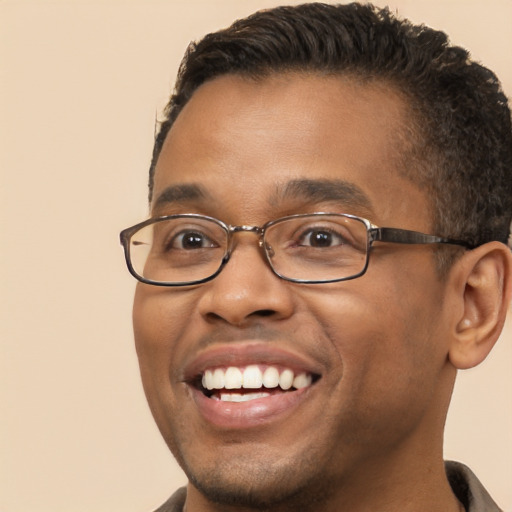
(264, 312)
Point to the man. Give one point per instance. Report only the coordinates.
(331, 197)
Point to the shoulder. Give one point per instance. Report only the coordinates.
(468, 489)
(175, 503)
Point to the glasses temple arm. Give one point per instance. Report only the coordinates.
(404, 236)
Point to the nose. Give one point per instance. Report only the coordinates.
(246, 290)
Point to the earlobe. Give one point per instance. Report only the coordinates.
(484, 277)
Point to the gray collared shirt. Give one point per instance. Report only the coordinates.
(468, 489)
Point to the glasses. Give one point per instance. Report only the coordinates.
(189, 249)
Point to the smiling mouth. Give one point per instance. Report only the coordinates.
(243, 384)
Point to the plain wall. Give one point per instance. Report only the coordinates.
(80, 83)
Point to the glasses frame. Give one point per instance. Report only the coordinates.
(374, 234)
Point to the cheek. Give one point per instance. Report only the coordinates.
(159, 320)
(384, 335)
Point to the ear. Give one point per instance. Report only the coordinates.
(482, 279)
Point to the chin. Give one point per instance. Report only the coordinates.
(258, 484)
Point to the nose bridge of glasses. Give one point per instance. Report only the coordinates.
(257, 230)
(250, 229)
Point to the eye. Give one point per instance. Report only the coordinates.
(320, 238)
(190, 240)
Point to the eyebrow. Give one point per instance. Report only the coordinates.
(317, 191)
(345, 193)
(180, 193)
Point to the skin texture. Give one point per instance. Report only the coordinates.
(368, 434)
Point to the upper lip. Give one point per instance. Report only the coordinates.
(248, 353)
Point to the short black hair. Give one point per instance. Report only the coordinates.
(460, 119)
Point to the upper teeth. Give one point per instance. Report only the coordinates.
(252, 377)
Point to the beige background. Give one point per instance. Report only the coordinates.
(80, 82)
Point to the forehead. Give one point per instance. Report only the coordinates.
(250, 140)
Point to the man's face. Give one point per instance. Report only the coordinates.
(373, 347)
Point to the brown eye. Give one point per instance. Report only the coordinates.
(320, 238)
(190, 240)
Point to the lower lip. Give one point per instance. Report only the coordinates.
(242, 415)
